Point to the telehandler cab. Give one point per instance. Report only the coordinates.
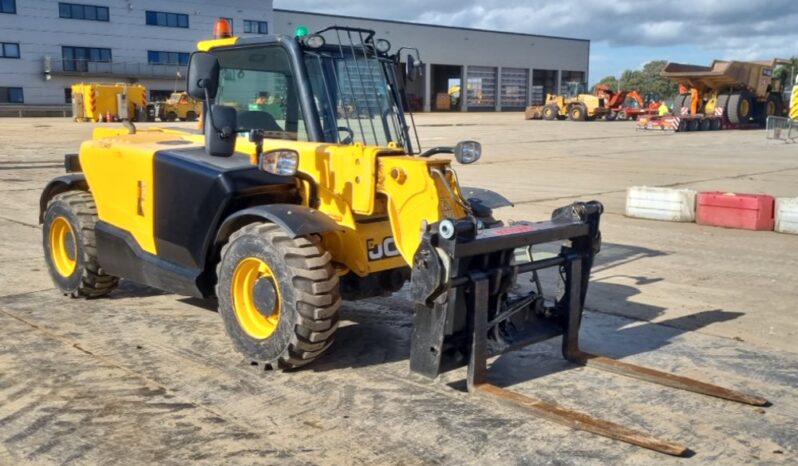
(281, 214)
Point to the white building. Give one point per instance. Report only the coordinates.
(54, 44)
(503, 70)
(47, 45)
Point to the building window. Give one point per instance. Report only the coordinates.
(256, 27)
(67, 95)
(172, 20)
(8, 6)
(78, 58)
(155, 57)
(11, 95)
(78, 11)
(9, 50)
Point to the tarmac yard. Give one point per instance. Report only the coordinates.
(146, 377)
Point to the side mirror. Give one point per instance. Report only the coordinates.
(203, 76)
(220, 131)
(467, 152)
(413, 67)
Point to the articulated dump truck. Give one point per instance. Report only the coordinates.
(727, 94)
(280, 212)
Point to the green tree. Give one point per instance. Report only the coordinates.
(610, 81)
(787, 73)
(632, 80)
(653, 83)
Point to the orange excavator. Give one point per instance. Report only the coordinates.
(625, 105)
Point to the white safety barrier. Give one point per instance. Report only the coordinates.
(787, 215)
(672, 205)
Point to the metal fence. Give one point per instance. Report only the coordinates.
(781, 129)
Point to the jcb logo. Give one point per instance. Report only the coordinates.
(385, 249)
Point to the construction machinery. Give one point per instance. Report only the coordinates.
(625, 105)
(108, 102)
(576, 105)
(179, 106)
(280, 217)
(727, 94)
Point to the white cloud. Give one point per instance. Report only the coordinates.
(744, 29)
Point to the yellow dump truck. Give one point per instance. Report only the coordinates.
(179, 106)
(101, 101)
(736, 92)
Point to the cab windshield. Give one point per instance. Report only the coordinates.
(356, 93)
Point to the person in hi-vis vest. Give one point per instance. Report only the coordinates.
(794, 101)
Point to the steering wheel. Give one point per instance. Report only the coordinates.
(350, 138)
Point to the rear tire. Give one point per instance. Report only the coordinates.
(705, 125)
(295, 320)
(577, 113)
(716, 124)
(692, 125)
(773, 105)
(70, 247)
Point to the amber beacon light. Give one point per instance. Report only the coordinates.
(221, 29)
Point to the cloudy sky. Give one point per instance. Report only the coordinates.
(623, 33)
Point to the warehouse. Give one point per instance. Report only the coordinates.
(47, 46)
(503, 70)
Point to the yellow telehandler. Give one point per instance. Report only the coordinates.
(282, 215)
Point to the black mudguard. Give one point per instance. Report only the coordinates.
(296, 220)
(58, 185)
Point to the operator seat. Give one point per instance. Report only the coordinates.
(256, 119)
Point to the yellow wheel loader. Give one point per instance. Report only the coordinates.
(179, 106)
(575, 105)
(281, 216)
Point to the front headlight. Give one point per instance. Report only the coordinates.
(467, 152)
(281, 162)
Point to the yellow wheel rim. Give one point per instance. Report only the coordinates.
(771, 108)
(63, 247)
(744, 108)
(256, 322)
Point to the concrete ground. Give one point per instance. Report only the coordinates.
(147, 377)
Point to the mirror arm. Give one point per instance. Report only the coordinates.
(437, 150)
(256, 136)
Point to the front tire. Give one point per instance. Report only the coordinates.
(70, 247)
(278, 296)
(550, 112)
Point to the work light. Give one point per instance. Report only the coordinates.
(314, 41)
(382, 45)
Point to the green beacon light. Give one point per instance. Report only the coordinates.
(301, 31)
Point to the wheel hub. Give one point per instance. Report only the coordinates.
(265, 296)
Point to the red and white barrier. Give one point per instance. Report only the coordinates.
(760, 212)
